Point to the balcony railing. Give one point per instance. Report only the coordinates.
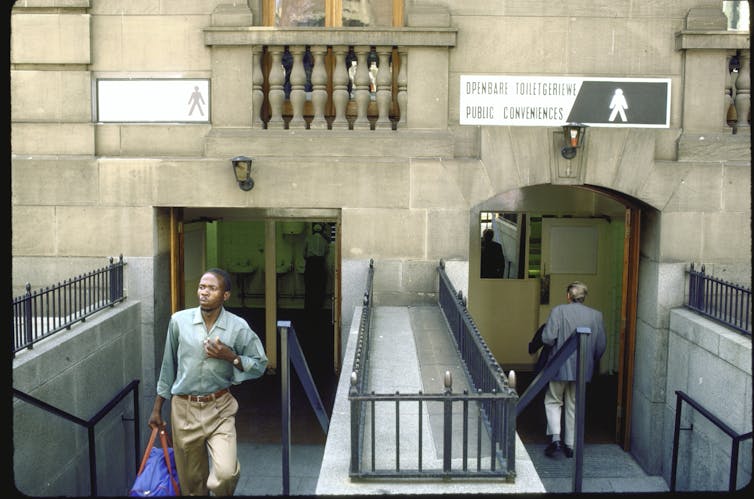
(44, 312)
(737, 107)
(335, 78)
(720, 300)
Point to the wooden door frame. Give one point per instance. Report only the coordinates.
(176, 260)
(629, 303)
(629, 298)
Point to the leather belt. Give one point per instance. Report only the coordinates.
(204, 398)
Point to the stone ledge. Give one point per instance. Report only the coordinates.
(715, 147)
(719, 340)
(330, 143)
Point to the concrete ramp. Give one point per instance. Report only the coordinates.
(399, 336)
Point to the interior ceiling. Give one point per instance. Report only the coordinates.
(555, 200)
(227, 214)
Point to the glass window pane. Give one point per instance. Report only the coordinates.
(299, 12)
(367, 13)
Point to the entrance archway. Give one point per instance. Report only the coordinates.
(554, 235)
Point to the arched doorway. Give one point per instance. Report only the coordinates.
(553, 235)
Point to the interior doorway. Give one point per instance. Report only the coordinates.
(264, 254)
(550, 236)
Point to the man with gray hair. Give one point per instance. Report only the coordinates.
(562, 323)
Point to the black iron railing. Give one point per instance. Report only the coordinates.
(484, 373)
(384, 443)
(89, 424)
(44, 312)
(291, 353)
(736, 438)
(480, 455)
(720, 300)
(359, 374)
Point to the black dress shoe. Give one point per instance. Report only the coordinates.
(553, 448)
(568, 451)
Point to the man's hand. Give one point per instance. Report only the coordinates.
(155, 418)
(216, 349)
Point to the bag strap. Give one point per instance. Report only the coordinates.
(164, 442)
(147, 451)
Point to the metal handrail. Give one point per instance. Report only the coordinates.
(41, 313)
(482, 369)
(359, 373)
(492, 398)
(291, 353)
(722, 301)
(498, 407)
(89, 424)
(736, 437)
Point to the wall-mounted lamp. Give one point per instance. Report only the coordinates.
(242, 170)
(573, 137)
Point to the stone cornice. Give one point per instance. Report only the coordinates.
(403, 37)
(712, 40)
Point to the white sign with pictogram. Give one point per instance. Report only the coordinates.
(153, 100)
(556, 100)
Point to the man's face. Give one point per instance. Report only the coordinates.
(211, 292)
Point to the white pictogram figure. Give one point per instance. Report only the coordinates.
(196, 100)
(618, 105)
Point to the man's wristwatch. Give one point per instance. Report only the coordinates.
(237, 361)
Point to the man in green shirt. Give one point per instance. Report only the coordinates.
(207, 350)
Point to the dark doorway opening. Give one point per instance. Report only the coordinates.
(259, 414)
(599, 422)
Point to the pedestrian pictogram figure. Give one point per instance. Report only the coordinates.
(196, 100)
(618, 105)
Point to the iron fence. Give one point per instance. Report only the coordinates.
(89, 424)
(388, 429)
(736, 438)
(41, 313)
(484, 373)
(720, 300)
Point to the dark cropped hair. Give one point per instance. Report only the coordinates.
(222, 275)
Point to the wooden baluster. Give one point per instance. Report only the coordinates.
(257, 80)
(728, 107)
(361, 83)
(384, 88)
(319, 87)
(276, 94)
(340, 87)
(402, 86)
(298, 93)
(743, 91)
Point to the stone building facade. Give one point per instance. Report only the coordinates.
(387, 163)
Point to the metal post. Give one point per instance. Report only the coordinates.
(356, 407)
(448, 423)
(581, 356)
(285, 400)
(676, 439)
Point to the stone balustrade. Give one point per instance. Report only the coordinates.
(737, 107)
(334, 79)
(337, 87)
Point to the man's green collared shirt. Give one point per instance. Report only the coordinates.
(187, 370)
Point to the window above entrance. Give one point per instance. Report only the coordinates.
(333, 13)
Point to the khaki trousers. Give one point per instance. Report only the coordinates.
(559, 393)
(204, 445)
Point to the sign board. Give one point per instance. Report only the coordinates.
(556, 100)
(153, 100)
